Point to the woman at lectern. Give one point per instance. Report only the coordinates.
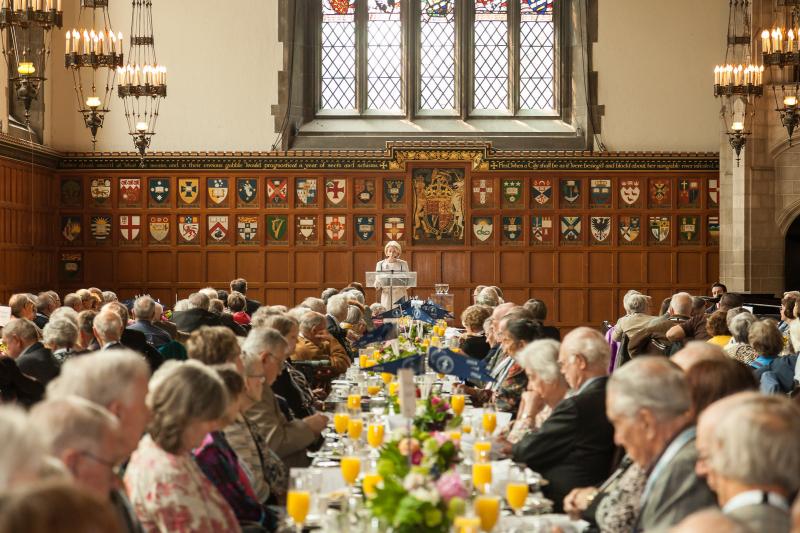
(388, 296)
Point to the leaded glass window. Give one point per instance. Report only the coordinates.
(437, 53)
(338, 51)
(490, 49)
(536, 54)
(384, 55)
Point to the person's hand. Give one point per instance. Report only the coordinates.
(578, 500)
(316, 422)
(323, 335)
(532, 402)
(503, 446)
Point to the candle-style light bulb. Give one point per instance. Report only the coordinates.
(93, 102)
(737, 126)
(141, 127)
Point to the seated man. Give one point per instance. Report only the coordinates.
(288, 438)
(21, 336)
(240, 285)
(649, 403)
(337, 313)
(653, 337)
(316, 344)
(695, 327)
(197, 315)
(144, 310)
(575, 446)
(635, 320)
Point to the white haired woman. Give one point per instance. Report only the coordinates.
(392, 263)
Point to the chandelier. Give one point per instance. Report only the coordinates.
(143, 82)
(25, 29)
(93, 55)
(779, 47)
(738, 82)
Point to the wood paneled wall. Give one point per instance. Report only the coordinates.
(582, 281)
(29, 201)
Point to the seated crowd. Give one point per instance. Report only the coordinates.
(127, 418)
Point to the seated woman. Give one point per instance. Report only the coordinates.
(473, 342)
(636, 318)
(167, 489)
(354, 323)
(717, 328)
(739, 347)
(237, 303)
(546, 387)
(766, 340)
(220, 464)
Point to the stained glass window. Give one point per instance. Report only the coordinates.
(338, 78)
(490, 44)
(437, 50)
(384, 55)
(536, 54)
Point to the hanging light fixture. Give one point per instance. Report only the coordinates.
(780, 50)
(738, 82)
(26, 31)
(143, 82)
(93, 55)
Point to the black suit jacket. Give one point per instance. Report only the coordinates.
(153, 335)
(228, 321)
(575, 445)
(340, 335)
(136, 341)
(551, 332)
(38, 362)
(41, 320)
(188, 321)
(252, 306)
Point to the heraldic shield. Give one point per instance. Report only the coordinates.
(438, 205)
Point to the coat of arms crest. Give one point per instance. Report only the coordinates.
(600, 192)
(71, 228)
(541, 229)
(542, 191)
(335, 228)
(394, 227)
(512, 192)
(246, 190)
(100, 189)
(600, 228)
(130, 191)
(394, 190)
(217, 191)
(364, 192)
(335, 192)
(689, 229)
(306, 230)
(306, 190)
(570, 191)
(629, 229)
(159, 228)
(482, 193)
(570, 229)
(438, 205)
(276, 228)
(101, 227)
(659, 228)
(365, 228)
(159, 190)
(629, 192)
(512, 229)
(188, 190)
(189, 228)
(247, 228)
(277, 192)
(482, 228)
(218, 226)
(130, 226)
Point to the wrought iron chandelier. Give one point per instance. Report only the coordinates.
(781, 52)
(738, 82)
(143, 82)
(93, 55)
(26, 31)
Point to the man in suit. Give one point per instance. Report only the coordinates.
(753, 461)
(287, 438)
(197, 315)
(21, 336)
(648, 401)
(539, 311)
(240, 285)
(216, 307)
(133, 339)
(575, 445)
(680, 310)
(45, 304)
(144, 311)
(169, 327)
(337, 313)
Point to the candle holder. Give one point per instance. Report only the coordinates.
(742, 90)
(93, 60)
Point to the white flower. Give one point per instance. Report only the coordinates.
(413, 481)
(426, 495)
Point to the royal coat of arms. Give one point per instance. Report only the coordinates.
(713, 192)
(713, 230)
(482, 193)
(600, 193)
(335, 229)
(512, 230)
(159, 191)
(601, 229)
(438, 205)
(629, 229)
(660, 193)
(393, 190)
(217, 192)
(305, 230)
(689, 229)
(189, 229)
(689, 193)
(542, 192)
(71, 229)
(278, 192)
(130, 227)
(570, 229)
(629, 193)
(306, 191)
(71, 192)
(482, 228)
(512, 193)
(159, 229)
(659, 229)
(247, 229)
(570, 192)
(541, 229)
(394, 227)
(364, 192)
(246, 191)
(276, 228)
(130, 191)
(188, 191)
(335, 192)
(100, 191)
(365, 228)
(101, 228)
(71, 265)
(218, 226)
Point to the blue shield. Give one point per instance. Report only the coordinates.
(365, 227)
(247, 189)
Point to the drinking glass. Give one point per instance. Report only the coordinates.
(341, 419)
(375, 433)
(487, 508)
(516, 489)
(457, 403)
(298, 499)
(350, 467)
(355, 426)
(482, 472)
(354, 401)
(489, 421)
(370, 484)
(467, 524)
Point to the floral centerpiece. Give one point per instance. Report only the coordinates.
(406, 347)
(420, 492)
(434, 414)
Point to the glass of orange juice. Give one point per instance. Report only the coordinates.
(375, 432)
(354, 402)
(487, 508)
(457, 403)
(350, 467)
(482, 471)
(387, 377)
(489, 421)
(370, 484)
(516, 489)
(341, 420)
(482, 447)
(355, 427)
(467, 524)
(298, 499)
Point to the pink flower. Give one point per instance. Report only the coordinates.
(416, 457)
(440, 437)
(435, 400)
(450, 486)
